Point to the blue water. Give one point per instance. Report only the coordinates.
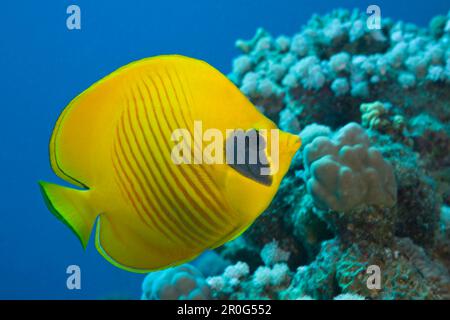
(43, 66)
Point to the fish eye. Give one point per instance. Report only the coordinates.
(245, 153)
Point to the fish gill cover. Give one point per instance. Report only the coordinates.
(370, 189)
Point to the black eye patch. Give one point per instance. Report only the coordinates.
(245, 153)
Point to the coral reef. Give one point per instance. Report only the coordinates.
(184, 282)
(335, 57)
(266, 282)
(369, 192)
(345, 172)
(210, 263)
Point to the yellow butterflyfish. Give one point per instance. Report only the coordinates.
(116, 142)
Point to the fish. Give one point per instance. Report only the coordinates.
(113, 145)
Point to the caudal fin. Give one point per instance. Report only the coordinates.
(71, 206)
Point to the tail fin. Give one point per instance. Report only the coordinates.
(71, 207)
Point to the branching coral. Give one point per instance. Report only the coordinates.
(266, 282)
(335, 60)
(379, 116)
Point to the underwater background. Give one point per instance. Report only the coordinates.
(44, 65)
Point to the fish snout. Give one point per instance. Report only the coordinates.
(292, 143)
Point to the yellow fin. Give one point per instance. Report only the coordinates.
(71, 207)
(118, 247)
(126, 248)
